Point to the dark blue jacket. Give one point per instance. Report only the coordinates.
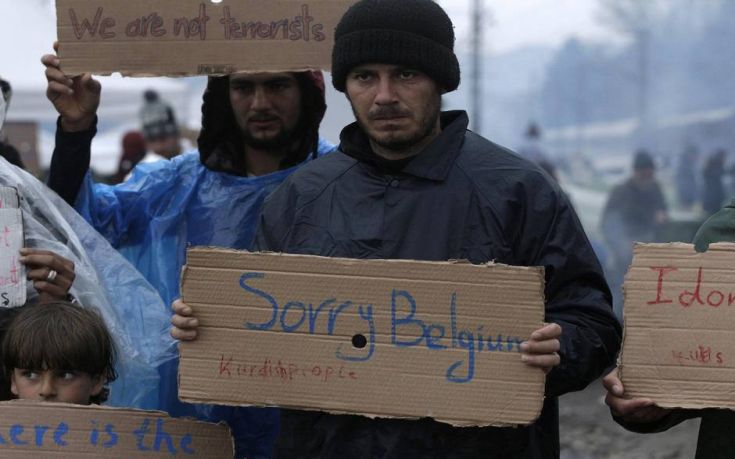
(463, 197)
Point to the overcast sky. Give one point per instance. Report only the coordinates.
(517, 23)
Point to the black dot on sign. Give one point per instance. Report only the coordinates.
(359, 341)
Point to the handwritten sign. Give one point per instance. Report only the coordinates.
(12, 272)
(30, 429)
(196, 37)
(9, 198)
(381, 338)
(679, 347)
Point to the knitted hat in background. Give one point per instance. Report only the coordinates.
(413, 33)
(157, 118)
(643, 160)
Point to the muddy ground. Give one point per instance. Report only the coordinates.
(588, 432)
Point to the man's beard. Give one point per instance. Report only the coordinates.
(426, 126)
(283, 139)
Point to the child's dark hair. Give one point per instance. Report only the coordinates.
(60, 336)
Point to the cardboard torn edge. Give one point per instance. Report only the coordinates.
(375, 416)
(117, 409)
(136, 74)
(692, 406)
(490, 264)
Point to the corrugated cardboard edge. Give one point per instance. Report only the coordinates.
(538, 270)
(130, 74)
(453, 423)
(24, 269)
(133, 411)
(490, 264)
(637, 247)
(74, 406)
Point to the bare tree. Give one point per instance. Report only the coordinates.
(629, 17)
(639, 20)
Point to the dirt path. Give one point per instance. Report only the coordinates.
(588, 432)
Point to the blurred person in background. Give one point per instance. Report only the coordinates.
(634, 212)
(686, 177)
(133, 152)
(7, 151)
(713, 187)
(160, 128)
(531, 148)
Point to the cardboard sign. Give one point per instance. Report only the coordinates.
(30, 429)
(12, 271)
(196, 37)
(380, 338)
(9, 198)
(679, 347)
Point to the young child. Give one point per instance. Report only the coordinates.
(58, 352)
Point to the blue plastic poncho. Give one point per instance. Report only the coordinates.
(151, 219)
(132, 310)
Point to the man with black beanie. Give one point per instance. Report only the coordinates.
(409, 182)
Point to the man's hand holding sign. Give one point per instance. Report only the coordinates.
(75, 98)
(540, 350)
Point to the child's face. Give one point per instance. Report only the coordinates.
(55, 385)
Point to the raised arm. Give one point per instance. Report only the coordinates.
(76, 99)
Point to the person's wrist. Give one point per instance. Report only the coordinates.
(82, 124)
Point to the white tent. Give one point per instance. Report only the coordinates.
(28, 32)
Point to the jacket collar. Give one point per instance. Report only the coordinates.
(433, 163)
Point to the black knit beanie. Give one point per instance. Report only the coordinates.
(413, 33)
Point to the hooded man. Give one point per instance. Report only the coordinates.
(256, 130)
(410, 182)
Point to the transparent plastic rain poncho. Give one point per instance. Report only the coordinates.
(132, 309)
